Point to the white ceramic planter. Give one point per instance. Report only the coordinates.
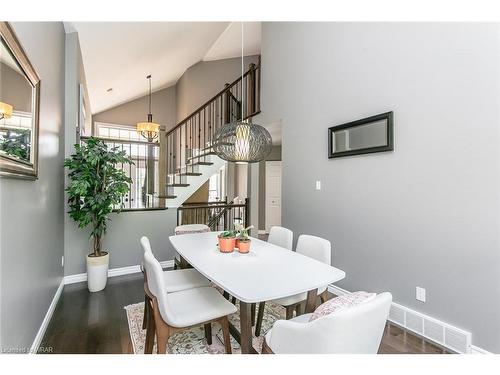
(97, 272)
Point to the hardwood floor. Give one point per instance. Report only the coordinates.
(85, 322)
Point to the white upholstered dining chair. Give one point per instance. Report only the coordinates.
(174, 281)
(354, 330)
(183, 309)
(311, 246)
(187, 229)
(281, 236)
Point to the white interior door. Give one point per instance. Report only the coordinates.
(273, 194)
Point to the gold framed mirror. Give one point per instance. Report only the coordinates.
(19, 109)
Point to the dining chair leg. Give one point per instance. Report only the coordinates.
(161, 341)
(260, 317)
(253, 308)
(224, 322)
(312, 296)
(150, 335)
(147, 312)
(265, 348)
(208, 333)
(324, 296)
(289, 311)
(298, 309)
(162, 331)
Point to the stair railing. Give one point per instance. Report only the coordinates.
(217, 215)
(188, 144)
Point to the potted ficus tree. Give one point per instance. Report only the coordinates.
(96, 187)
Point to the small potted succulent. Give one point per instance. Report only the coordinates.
(243, 240)
(227, 241)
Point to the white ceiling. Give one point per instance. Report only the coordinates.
(120, 55)
(228, 44)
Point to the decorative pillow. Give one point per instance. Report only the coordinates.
(341, 303)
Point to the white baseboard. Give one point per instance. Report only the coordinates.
(261, 231)
(46, 319)
(81, 277)
(416, 316)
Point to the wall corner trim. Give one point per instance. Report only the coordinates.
(46, 319)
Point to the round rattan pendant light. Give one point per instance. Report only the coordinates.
(241, 141)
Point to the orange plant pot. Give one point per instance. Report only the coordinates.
(244, 246)
(226, 245)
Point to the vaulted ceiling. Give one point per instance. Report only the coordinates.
(119, 55)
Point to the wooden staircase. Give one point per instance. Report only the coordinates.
(189, 160)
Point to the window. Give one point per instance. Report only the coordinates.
(115, 131)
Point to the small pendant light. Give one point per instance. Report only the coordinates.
(149, 129)
(239, 141)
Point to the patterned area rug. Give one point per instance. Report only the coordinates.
(192, 341)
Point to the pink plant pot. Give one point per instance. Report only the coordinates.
(226, 245)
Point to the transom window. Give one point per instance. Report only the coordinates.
(115, 131)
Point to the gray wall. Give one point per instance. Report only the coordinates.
(32, 211)
(204, 80)
(130, 113)
(424, 215)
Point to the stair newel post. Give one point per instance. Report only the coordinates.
(247, 212)
(227, 112)
(226, 220)
(162, 167)
(199, 136)
(251, 89)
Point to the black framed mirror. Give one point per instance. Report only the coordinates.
(365, 136)
(19, 109)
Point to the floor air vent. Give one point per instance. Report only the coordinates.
(415, 322)
(441, 333)
(397, 315)
(457, 339)
(434, 331)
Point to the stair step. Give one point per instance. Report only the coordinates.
(202, 163)
(202, 155)
(177, 185)
(190, 174)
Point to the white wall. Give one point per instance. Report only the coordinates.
(424, 215)
(32, 229)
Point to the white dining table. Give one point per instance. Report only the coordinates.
(267, 272)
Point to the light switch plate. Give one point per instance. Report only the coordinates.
(318, 185)
(420, 294)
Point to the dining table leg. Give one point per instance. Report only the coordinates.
(246, 328)
(312, 296)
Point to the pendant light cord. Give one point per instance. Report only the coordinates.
(243, 99)
(149, 78)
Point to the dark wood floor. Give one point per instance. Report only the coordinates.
(85, 322)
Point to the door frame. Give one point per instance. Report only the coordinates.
(266, 191)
